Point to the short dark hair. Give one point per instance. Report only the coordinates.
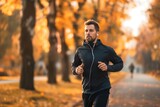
(91, 21)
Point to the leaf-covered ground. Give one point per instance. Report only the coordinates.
(63, 94)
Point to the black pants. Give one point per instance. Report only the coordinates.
(99, 99)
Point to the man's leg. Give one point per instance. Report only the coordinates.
(87, 101)
(102, 99)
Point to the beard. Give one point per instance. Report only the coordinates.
(90, 39)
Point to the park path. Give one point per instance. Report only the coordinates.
(140, 91)
(17, 79)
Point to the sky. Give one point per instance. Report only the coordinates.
(137, 15)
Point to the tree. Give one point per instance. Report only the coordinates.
(52, 55)
(75, 24)
(26, 47)
(62, 9)
(64, 58)
(8, 28)
(9, 25)
(148, 46)
(143, 49)
(77, 16)
(154, 17)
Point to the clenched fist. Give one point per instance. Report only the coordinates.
(79, 69)
(102, 66)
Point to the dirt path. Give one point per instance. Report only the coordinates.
(140, 91)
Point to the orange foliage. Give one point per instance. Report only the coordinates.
(40, 40)
(108, 16)
(69, 40)
(8, 6)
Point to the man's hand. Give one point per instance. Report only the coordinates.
(79, 69)
(102, 66)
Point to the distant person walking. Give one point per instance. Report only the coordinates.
(131, 67)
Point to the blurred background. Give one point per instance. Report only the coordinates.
(40, 37)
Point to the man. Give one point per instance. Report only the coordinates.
(131, 67)
(92, 62)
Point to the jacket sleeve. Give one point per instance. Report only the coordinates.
(76, 62)
(116, 60)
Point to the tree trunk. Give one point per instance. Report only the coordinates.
(52, 56)
(26, 47)
(64, 59)
(75, 25)
(51, 66)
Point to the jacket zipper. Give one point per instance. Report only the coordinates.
(90, 73)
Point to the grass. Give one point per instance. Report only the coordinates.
(63, 94)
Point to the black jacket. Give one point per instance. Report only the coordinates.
(94, 79)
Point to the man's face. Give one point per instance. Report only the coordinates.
(90, 33)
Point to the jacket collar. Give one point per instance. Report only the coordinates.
(98, 42)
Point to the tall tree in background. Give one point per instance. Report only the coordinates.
(144, 49)
(52, 55)
(113, 12)
(154, 19)
(62, 9)
(77, 16)
(148, 46)
(26, 47)
(65, 58)
(9, 27)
